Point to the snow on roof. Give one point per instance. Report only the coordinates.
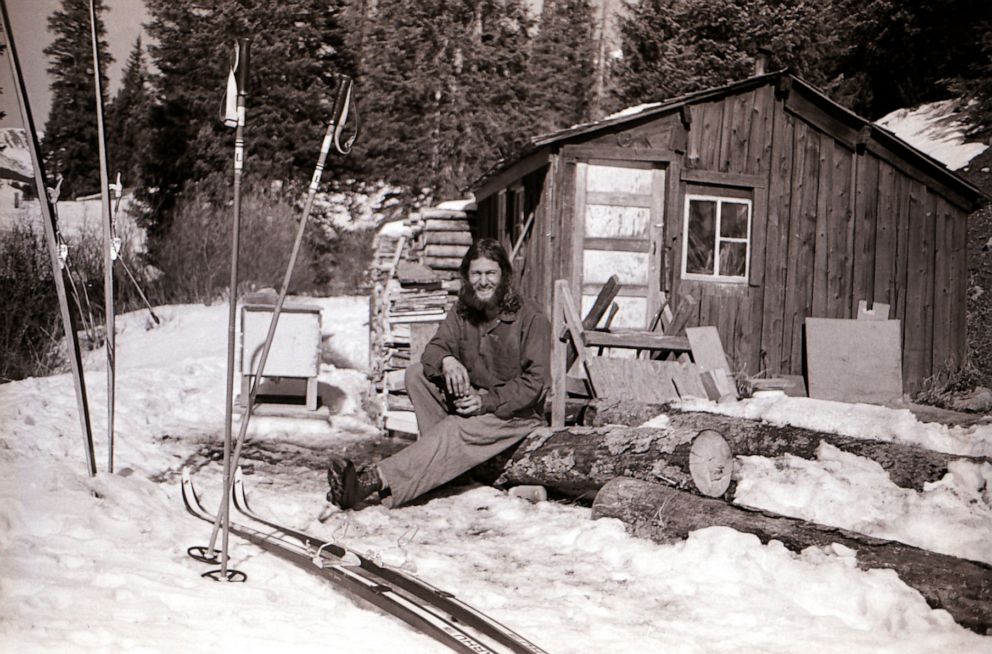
(935, 129)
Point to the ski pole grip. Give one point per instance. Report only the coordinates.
(244, 45)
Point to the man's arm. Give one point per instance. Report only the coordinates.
(530, 386)
(440, 357)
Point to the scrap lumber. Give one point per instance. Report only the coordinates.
(644, 380)
(708, 353)
(664, 514)
(416, 283)
(878, 311)
(854, 360)
(580, 459)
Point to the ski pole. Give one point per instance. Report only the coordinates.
(48, 220)
(118, 188)
(224, 515)
(332, 137)
(108, 235)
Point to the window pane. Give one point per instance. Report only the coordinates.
(615, 179)
(733, 220)
(599, 265)
(733, 259)
(702, 237)
(616, 222)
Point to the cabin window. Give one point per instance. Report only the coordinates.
(716, 238)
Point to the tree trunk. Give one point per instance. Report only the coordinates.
(909, 466)
(664, 514)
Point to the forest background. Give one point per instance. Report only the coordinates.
(445, 90)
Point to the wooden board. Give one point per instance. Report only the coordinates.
(633, 379)
(878, 312)
(854, 360)
(644, 380)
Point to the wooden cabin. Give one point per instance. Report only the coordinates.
(763, 199)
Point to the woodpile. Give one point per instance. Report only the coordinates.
(674, 478)
(651, 510)
(416, 283)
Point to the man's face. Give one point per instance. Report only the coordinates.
(484, 275)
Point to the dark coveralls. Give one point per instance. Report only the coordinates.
(508, 362)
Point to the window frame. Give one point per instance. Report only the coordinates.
(718, 239)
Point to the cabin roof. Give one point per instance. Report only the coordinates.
(543, 145)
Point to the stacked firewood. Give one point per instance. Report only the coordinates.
(416, 283)
(445, 237)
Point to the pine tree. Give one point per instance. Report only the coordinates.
(975, 89)
(900, 54)
(562, 64)
(672, 47)
(297, 46)
(446, 92)
(70, 144)
(127, 118)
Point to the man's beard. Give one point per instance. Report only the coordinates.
(475, 308)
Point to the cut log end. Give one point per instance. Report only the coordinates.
(711, 463)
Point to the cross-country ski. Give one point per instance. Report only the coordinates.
(511, 327)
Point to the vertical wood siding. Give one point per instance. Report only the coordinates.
(830, 227)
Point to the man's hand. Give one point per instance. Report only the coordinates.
(456, 377)
(469, 405)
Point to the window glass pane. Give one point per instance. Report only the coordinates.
(733, 259)
(615, 179)
(733, 220)
(599, 265)
(604, 221)
(702, 237)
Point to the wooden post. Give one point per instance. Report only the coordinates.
(558, 356)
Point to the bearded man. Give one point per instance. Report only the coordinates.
(478, 389)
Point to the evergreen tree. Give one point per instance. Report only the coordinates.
(446, 90)
(127, 118)
(672, 47)
(297, 47)
(562, 64)
(900, 53)
(70, 144)
(975, 88)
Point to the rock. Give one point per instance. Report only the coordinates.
(978, 400)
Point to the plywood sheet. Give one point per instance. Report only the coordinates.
(631, 379)
(708, 353)
(707, 350)
(854, 360)
(879, 311)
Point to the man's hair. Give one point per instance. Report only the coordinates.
(489, 248)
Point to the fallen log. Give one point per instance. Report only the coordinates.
(909, 466)
(663, 514)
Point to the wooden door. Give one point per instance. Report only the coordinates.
(619, 226)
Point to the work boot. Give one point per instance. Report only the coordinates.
(350, 486)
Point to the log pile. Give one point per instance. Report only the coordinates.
(664, 514)
(416, 282)
(663, 486)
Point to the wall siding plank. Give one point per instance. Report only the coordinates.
(866, 198)
(886, 236)
(824, 220)
(840, 235)
(943, 354)
(777, 241)
(802, 227)
(760, 138)
(916, 357)
(960, 286)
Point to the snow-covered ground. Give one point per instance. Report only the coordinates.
(100, 565)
